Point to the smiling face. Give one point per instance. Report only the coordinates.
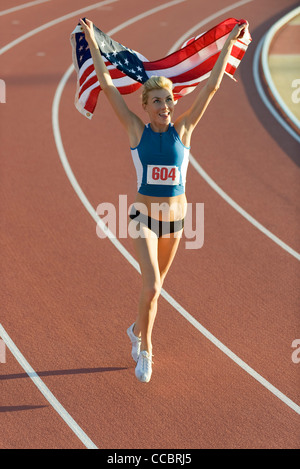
(160, 108)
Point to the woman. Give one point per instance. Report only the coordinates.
(160, 154)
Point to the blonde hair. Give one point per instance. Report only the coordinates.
(156, 83)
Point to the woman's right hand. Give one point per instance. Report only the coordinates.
(88, 30)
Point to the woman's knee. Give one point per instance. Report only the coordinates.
(152, 291)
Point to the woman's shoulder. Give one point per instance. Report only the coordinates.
(183, 133)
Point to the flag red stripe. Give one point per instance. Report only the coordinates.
(115, 73)
(88, 84)
(237, 52)
(193, 63)
(203, 41)
(195, 72)
(92, 100)
(130, 88)
(198, 71)
(85, 74)
(179, 88)
(230, 69)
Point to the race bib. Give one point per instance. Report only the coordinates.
(163, 175)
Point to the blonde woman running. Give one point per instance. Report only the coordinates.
(160, 152)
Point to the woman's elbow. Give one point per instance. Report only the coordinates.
(212, 88)
(108, 88)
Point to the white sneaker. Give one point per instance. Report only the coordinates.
(136, 343)
(143, 370)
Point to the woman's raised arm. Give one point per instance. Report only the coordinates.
(187, 121)
(130, 120)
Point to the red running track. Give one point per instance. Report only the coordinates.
(67, 296)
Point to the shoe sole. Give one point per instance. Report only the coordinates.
(143, 380)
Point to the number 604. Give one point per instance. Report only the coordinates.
(163, 174)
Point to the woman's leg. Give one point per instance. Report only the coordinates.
(155, 257)
(167, 248)
(146, 248)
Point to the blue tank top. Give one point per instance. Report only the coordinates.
(161, 162)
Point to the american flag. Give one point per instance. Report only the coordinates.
(129, 69)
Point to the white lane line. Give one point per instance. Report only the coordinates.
(241, 211)
(262, 94)
(53, 23)
(195, 163)
(45, 391)
(133, 262)
(71, 176)
(286, 400)
(10, 344)
(144, 15)
(202, 23)
(178, 43)
(21, 7)
(19, 357)
(265, 63)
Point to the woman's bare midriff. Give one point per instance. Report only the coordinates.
(162, 208)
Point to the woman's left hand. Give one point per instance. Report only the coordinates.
(238, 31)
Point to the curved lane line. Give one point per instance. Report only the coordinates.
(262, 94)
(133, 262)
(21, 7)
(3, 334)
(280, 24)
(202, 23)
(241, 211)
(195, 163)
(22, 38)
(22, 361)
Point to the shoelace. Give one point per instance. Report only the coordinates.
(147, 360)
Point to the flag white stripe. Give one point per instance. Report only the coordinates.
(175, 72)
(191, 82)
(121, 82)
(191, 62)
(85, 95)
(86, 65)
(233, 61)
